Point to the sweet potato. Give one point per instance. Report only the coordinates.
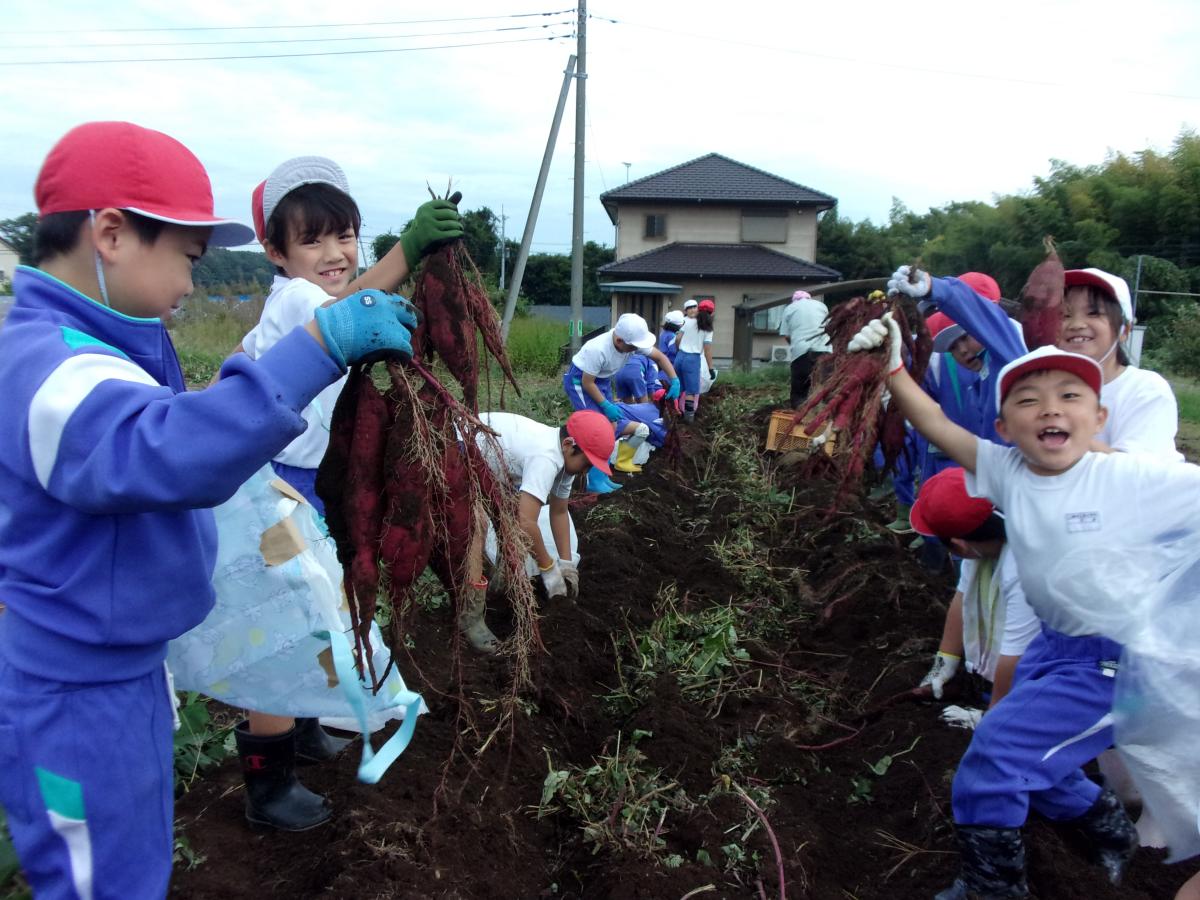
(848, 391)
(1041, 300)
(454, 307)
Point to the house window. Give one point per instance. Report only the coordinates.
(656, 225)
(764, 226)
(768, 319)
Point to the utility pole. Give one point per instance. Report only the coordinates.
(503, 246)
(514, 286)
(577, 212)
(627, 165)
(1137, 286)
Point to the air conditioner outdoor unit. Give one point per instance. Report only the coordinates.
(779, 353)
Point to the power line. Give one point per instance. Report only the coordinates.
(77, 62)
(881, 63)
(320, 40)
(277, 26)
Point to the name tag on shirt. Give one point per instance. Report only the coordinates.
(1083, 521)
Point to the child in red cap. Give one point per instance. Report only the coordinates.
(694, 341)
(308, 224)
(1068, 512)
(989, 624)
(110, 470)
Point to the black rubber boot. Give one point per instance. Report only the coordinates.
(274, 797)
(1112, 834)
(993, 865)
(314, 744)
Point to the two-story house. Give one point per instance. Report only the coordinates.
(8, 261)
(713, 227)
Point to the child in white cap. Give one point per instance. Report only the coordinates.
(308, 225)
(588, 381)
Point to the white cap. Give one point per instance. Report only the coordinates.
(674, 317)
(298, 172)
(688, 304)
(632, 329)
(1113, 285)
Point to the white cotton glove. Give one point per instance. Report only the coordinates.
(553, 581)
(570, 574)
(870, 336)
(874, 333)
(961, 717)
(943, 669)
(911, 282)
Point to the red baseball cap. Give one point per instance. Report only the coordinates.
(945, 510)
(1048, 358)
(594, 435)
(124, 166)
(256, 211)
(983, 285)
(707, 306)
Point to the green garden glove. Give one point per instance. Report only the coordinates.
(435, 223)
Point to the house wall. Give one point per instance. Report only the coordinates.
(726, 295)
(708, 224)
(8, 262)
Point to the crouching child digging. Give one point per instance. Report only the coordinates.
(1059, 498)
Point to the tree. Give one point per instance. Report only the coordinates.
(19, 233)
(382, 244)
(481, 238)
(224, 271)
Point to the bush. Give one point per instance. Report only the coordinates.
(1173, 341)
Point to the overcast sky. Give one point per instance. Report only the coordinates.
(927, 102)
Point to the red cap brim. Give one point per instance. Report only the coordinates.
(601, 464)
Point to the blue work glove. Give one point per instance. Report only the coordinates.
(435, 223)
(611, 410)
(367, 326)
(673, 389)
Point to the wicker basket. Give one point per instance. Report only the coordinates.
(783, 436)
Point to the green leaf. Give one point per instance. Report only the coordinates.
(552, 784)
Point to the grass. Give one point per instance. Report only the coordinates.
(1187, 393)
(534, 345)
(621, 803)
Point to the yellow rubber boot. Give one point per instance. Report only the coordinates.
(624, 461)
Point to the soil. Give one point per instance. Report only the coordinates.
(801, 721)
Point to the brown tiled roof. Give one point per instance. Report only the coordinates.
(715, 179)
(736, 261)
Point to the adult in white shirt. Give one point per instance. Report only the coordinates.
(803, 328)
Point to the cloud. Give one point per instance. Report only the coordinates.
(930, 103)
